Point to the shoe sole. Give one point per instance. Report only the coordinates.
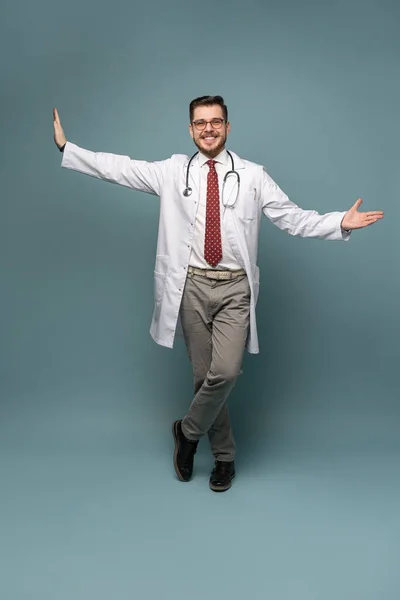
(174, 433)
(219, 488)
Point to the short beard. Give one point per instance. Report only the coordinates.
(215, 151)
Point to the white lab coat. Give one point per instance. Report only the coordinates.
(258, 194)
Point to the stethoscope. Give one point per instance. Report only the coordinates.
(188, 190)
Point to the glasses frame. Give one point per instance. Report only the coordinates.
(195, 123)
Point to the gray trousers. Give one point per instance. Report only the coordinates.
(215, 322)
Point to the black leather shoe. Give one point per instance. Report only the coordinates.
(184, 453)
(221, 476)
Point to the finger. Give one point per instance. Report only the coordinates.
(358, 204)
(56, 116)
(374, 216)
(372, 221)
(373, 213)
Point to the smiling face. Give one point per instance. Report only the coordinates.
(210, 138)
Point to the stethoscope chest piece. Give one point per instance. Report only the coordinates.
(187, 192)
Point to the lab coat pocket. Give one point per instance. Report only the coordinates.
(248, 206)
(160, 276)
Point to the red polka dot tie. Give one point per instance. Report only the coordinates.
(212, 240)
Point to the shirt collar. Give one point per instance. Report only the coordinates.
(222, 157)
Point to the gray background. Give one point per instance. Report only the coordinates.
(89, 503)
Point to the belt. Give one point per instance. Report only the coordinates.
(216, 274)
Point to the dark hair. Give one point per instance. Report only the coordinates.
(208, 101)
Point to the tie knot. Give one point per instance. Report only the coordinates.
(211, 163)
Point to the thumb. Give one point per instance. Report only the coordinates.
(358, 204)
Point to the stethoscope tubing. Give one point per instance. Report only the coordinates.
(188, 190)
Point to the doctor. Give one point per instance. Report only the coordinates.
(206, 275)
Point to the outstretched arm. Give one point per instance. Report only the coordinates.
(309, 223)
(140, 175)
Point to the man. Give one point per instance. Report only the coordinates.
(206, 274)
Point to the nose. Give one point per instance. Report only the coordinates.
(209, 127)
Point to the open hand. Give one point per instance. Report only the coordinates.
(59, 136)
(357, 220)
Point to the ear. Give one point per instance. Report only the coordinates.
(191, 130)
(228, 127)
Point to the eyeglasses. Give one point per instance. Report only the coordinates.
(202, 123)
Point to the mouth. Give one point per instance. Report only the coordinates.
(209, 138)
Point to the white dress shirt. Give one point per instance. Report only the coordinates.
(228, 262)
